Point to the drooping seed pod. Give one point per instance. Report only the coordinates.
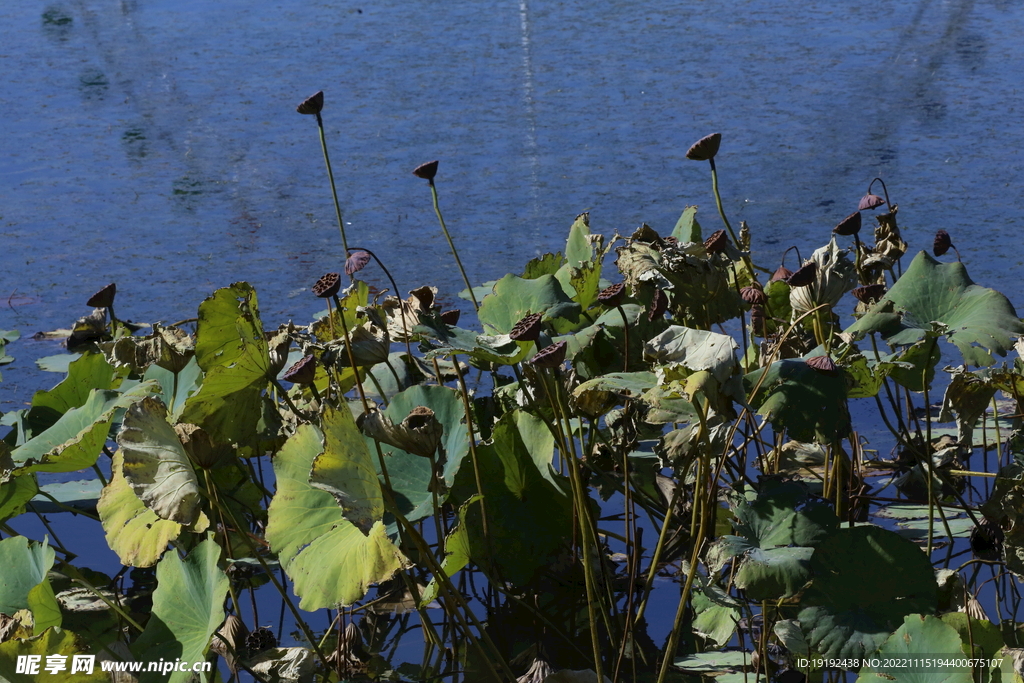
(706, 148)
(356, 261)
(103, 298)
(613, 295)
(781, 273)
(849, 225)
(754, 295)
(527, 329)
(757, 319)
(868, 293)
(804, 275)
(659, 304)
(550, 356)
(303, 372)
(942, 243)
(870, 201)
(451, 317)
(426, 171)
(716, 243)
(823, 364)
(312, 105)
(328, 285)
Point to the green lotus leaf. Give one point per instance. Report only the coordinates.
(45, 610)
(156, 465)
(456, 553)
(920, 636)
(53, 641)
(978, 320)
(687, 229)
(329, 560)
(714, 662)
(716, 612)
(981, 639)
(548, 264)
(866, 580)
(500, 349)
(578, 247)
(410, 473)
(233, 353)
(133, 531)
(76, 439)
(91, 371)
(346, 471)
(15, 494)
(352, 298)
(514, 297)
(582, 283)
(809, 404)
(694, 349)
(176, 386)
(25, 564)
(188, 606)
(529, 517)
(624, 384)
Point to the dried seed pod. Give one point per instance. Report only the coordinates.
(527, 329)
(804, 275)
(823, 364)
(451, 317)
(754, 295)
(356, 261)
(303, 372)
(103, 298)
(757, 319)
(706, 148)
(849, 225)
(612, 296)
(312, 105)
(426, 171)
(328, 285)
(942, 243)
(716, 243)
(259, 640)
(870, 201)
(659, 304)
(781, 273)
(550, 356)
(868, 293)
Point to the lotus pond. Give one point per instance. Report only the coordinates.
(646, 458)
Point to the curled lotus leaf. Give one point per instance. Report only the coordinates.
(696, 350)
(371, 344)
(835, 276)
(419, 433)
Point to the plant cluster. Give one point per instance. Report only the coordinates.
(519, 493)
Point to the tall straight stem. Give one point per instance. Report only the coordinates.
(451, 245)
(334, 191)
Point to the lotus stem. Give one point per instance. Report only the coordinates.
(351, 356)
(401, 309)
(330, 175)
(451, 244)
(718, 202)
(625, 338)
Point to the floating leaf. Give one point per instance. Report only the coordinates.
(188, 606)
(919, 638)
(978, 320)
(156, 464)
(329, 560)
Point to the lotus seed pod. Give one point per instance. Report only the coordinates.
(716, 243)
(612, 296)
(870, 201)
(312, 105)
(706, 148)
(328, 285)
(658, 306)
(303, 372)
(757, 319)
(804, 275)
(869, 293)
(550, 356)
(754, 295)
(103, 298)
(426, 171)
(942, 243)
(356, 261)
(823, 364)
(781, 273)
(849, 225)
(527, 329)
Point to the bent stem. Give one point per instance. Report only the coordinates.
(330, 175)
(451, 244)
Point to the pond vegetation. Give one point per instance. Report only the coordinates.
(506, 501)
